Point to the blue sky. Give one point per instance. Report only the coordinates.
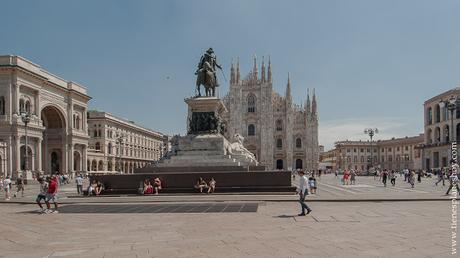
(373, 63)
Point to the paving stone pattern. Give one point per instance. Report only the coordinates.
(160, 208)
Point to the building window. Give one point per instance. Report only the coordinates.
(362, 150)
(354, 150)
(279, 125)
(437, 114)
(362, 159)
(348, 150)
(279, 164)
(251, 103)
(298, 164)
(109, 148)
(2, 105)
(22, 107)
(430, 115)
(383, 159)
(437, 134)
(279, 143)
(251, 130)
(397, 148)
(98, 146)
(429, 136)
(355, 159)
(298, 143)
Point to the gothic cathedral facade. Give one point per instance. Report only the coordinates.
(281, 134)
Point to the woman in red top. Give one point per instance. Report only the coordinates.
(346, 175)
(51, 195)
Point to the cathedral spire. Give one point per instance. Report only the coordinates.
(307, 103)
(254, 69)
(313, 104)
(288, 91)
(263, 71)
(238, 70)
(269, 78)
(232, 74)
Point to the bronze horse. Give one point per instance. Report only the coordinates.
(206, 78)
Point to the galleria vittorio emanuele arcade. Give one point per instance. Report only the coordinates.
(50, 110)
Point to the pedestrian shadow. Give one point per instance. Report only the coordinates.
(284, 216)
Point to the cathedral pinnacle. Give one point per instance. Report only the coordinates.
(313, 104)
(263, 71)
(238, 70)
(269, 78)
(307, 104)
(288, 91)
(254, 69)
(232, 74)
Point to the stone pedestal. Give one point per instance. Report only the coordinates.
(204, 145)
(205, 115)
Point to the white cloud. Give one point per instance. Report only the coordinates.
(353, 129)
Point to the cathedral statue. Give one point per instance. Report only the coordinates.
(206, 73)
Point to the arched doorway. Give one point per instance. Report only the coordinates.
(55, 162)
(94, 165)
(76, 161)
(279, 164)
(298, 164)
(54, 137)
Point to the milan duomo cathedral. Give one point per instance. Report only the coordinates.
(281, 134)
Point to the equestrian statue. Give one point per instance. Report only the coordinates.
(206, 74)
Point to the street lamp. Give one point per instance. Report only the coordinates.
(371, 132)
(25, 117)
(451, 105)
(120, 142)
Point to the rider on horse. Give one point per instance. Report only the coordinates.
(208, 63)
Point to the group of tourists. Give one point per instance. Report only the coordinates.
(150, 188)
(48, 193)
(205, 187)
(6, 186)
(349, 177)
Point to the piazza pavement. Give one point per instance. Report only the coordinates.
(365, 220)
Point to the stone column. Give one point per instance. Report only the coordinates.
(18, 155)
(39, 156)
(65, 158)
(16, 98)
(71, 160)
(84, 159)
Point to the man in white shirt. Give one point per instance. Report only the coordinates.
(7, 187)
(303, 191)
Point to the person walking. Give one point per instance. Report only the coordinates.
(441, 175)
(42, 194)
(353, 177)
(412, 178)
(419, 176)
(79, 181)
(453, 180)
(20, 186)
(393, 178)
(303, 191)
(384, 177)
(51, 195)
(7, 188)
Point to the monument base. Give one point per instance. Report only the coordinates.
(206, 150)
